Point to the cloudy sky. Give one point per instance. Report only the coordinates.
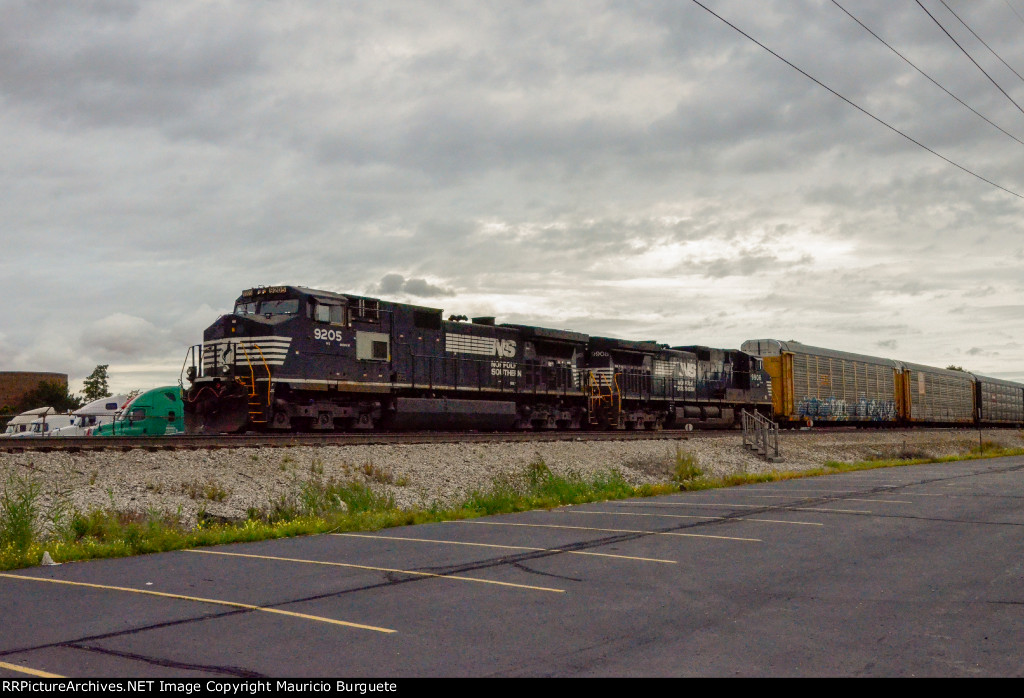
(636, 169)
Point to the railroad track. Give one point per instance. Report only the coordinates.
(221, 441)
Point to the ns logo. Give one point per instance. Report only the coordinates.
(505, 348)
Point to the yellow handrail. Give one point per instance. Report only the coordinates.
(252, 371)
(270, 378)
(594, 389)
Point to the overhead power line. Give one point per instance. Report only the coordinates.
(908, 61)
(966, 26)
(991, 79)
(854, 104)
(1014, 11)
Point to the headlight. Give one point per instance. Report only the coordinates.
(225, 370)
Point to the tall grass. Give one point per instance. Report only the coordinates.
(20, 514)
(687, 473)
(537, 488)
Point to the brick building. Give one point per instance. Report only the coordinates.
(15, 384)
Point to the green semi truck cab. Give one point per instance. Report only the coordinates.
(156, 412)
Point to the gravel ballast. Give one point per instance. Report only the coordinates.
(227, 483)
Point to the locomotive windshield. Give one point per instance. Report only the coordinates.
(285, 307)
(289, 306)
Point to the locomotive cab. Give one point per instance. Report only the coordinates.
(232, 373)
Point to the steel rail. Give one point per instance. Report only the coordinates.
(221, 441)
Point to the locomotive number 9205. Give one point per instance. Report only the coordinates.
(330, 335)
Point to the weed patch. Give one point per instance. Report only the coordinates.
(324, 498)
(687, 473)
(378, 475)
(19, 512)
(986, 447)
(537, 488)
(210, 490)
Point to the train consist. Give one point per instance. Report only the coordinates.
(294, 358)
(823, 385)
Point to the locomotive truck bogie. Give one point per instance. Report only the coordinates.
(550, 417)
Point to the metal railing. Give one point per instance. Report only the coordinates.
(761, 434)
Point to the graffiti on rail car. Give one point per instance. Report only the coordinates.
(839, 409)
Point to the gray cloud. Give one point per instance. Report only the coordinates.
(981, 292)
(618, 168)
(392, 284)
(120, 334)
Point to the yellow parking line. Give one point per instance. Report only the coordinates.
(845, 499)
(728, 505)
(878, 501)
(30, 672)
(928, 494)
(379, 569)
(837, 511)
(902, 494)
(803, 489)
(219, 602)
(710, 504)
(507, 547)
(610, 530)
(795, 523)
(677, 516)
(686, 516)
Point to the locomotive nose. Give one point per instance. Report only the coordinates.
(228, 326)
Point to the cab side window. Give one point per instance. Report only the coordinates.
(333, 314)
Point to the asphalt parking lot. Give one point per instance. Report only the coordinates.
(913, 571)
